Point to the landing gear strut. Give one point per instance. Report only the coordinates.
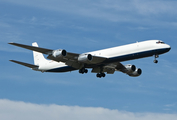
(99, 75)
(156, 61)
(83, 70)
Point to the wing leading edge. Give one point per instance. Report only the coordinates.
(33, 48)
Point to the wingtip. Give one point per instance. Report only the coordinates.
(11, 43)
(12, 60)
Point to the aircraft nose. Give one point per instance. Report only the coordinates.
(168, 48)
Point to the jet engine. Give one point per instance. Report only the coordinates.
(136, 73)
(129, 69)
(85, 58)
(59, 53)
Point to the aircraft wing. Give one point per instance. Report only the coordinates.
(70, 56)
(46, 51)
(25, 64)
(71, 59)
(110, 68)
(33, 48)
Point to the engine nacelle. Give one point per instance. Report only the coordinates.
(59, 53)
(136, 73)
(85, 58)
(129, 69)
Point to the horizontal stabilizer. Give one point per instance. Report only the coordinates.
(33, 48)
(25, 64)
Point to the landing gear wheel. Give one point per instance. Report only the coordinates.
(155, 61)
(156, 56)
(99, 75)
(83, 70)
(103, 74)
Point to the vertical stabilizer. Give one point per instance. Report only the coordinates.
(38, 57)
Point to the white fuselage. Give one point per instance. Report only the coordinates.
(121, 53)
(130, 49)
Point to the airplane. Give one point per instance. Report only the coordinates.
(101, 61)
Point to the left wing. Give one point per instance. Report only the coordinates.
(71, 59)
(25, 64)
(46, 51)
(37, 49)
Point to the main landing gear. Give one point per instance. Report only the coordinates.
(156, 56)
(99, 75)
(83, 70)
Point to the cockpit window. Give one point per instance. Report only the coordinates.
(160, 42)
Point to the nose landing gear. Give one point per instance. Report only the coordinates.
(156, 56)
(155, 61)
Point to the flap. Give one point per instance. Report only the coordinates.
(70, 56)
(98, 59)
(110, 68)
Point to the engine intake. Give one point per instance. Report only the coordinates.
(59, 53)
(136, 73)
(129, 69)
(85, 58)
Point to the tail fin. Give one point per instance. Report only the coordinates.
(38, 57)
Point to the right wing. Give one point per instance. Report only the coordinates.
(110, 68)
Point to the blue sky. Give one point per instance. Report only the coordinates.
(83, 26)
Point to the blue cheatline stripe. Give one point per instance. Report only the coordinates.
(62, 69)
(137, 55)
(117, 59)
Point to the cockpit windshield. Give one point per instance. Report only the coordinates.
(160, 42)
